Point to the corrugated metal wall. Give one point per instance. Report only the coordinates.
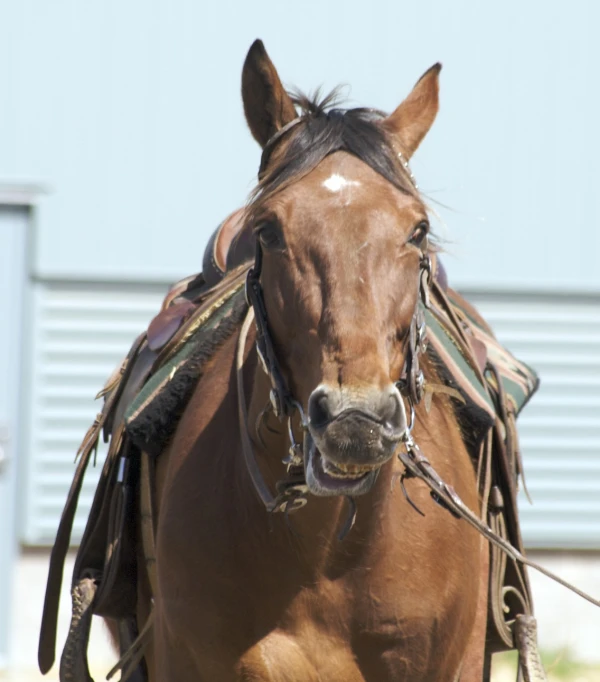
(14, 224)
(560, 427)
(81, 333)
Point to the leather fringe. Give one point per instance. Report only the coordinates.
(530, 663)
(73, 662)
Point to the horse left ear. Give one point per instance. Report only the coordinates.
(267, 105)
(412, 120)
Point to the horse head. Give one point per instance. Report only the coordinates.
(342, 235)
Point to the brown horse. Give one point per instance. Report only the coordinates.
(251, 596)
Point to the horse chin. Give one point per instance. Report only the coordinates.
(325, 479)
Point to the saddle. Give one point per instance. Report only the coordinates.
(145, 396)
(228, 247)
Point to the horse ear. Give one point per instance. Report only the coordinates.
(267, 105)
(412, 120)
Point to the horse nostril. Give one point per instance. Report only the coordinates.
(319, 411)
(394, 415)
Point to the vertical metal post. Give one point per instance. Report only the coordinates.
(14, 222)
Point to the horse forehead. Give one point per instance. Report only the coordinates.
(338, 183)
(343, 188)
(343, 173)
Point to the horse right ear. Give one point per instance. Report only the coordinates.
(267, 105)
(414, 117)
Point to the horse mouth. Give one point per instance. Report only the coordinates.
(324, 478)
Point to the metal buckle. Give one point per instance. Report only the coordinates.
(294, 457)
(419, 385)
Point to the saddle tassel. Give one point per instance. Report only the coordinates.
(73, 662)
(530, 663)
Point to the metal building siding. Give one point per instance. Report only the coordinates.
(80, 334)
(560, 428)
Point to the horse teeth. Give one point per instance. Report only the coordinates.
(344, 470)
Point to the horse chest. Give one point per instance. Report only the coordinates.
(329, 634)
(338, 630)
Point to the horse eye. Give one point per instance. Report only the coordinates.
(419, 234)
(270, 236)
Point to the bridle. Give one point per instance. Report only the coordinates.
(292, 491)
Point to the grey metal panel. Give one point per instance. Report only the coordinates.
(14, 224)
(81, 333)
(131, 113)
(560, 428)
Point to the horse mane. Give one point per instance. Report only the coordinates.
(324, 128)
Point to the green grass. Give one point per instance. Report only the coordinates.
(558, 665)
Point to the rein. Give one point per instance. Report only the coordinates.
(418, 466)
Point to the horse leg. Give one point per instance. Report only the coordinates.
(474, 663)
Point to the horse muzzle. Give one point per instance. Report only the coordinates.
(349, 438)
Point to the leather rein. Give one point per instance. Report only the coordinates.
(291, 492)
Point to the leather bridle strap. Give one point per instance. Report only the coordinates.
(272, 141)
(251, 464)
(419, 466)
(281, 399)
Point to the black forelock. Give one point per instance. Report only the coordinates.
(322, 129)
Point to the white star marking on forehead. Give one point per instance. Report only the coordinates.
(336, 182)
